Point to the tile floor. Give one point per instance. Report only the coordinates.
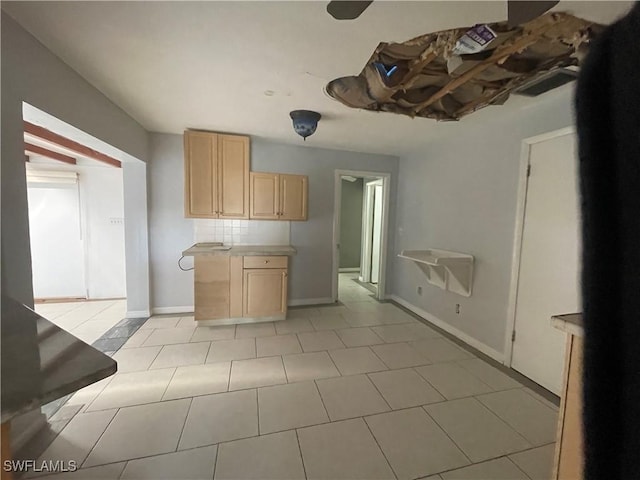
(86, 320)
(358, 391)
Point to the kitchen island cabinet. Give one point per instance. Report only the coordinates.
(240, 284)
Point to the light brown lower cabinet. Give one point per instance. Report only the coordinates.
(569, 456)
(235, 287)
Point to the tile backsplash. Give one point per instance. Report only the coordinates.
(242, 232)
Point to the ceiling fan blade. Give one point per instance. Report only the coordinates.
(346, 9)
(519, 11)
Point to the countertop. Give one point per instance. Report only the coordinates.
(570, 323)
(241, 250)
(42, 362)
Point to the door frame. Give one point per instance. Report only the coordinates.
(523, 185)
(368, 209)
(337, 201)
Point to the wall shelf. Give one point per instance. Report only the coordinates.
(451, 271)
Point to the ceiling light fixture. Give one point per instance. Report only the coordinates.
(305, 122)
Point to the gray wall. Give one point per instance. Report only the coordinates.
(459, 193)
(170, 233)
(31, 73)
(351, 223)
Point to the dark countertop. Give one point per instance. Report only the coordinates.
(570, 323)
(42, 362)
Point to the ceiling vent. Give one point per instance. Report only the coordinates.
(548, 81)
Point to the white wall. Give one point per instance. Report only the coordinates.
(47, 83)
(310, 271)
(459, 193)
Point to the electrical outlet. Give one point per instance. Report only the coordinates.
(419, 290)
(458, 308)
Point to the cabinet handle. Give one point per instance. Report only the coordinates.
(266, 261)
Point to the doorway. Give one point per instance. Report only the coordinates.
(549, 258)
(360, 224)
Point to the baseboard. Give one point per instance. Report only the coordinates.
(469, 340)
(138, 314)
(310, 301)
(349, 270)
(169, 310)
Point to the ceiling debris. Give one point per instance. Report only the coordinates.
(449, 74)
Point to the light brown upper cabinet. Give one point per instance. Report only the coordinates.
(216, 175)
(278, 196)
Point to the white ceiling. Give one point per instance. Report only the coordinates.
(177, 65)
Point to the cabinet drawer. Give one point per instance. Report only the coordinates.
(266, 262)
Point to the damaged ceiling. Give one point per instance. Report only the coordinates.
(449, 74)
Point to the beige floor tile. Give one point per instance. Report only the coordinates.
(224, 332)
(293, 325)
(133, 388)
(318, 341)
(498, 469)
(169, 336)
(195, 464)
(362, 319)
(399, 355)
(78, 438)
(135, 359)
(309, 366)
(537, 463)
(352, 361)
(349, 397)
(331, 309)
(363, 307)
(88, 394)
(477, 431)
(552, 405)
(358, 337)
(257, 372)
(414, 444)
(453, 381)
(277, 345)
(342, 450)
(161, 322)
(138, 338)
(440, 350)
(301, 312)
(284, 407)
(223, 350)
(181, 355)
(197, 380)
(141, 431)
(220, 418)
(253, 330)
(328, 322)
(526, 415)
(275, 456)
(493, 377)
(103, 472)
(188, 321)
(404, 388)
(404, 332)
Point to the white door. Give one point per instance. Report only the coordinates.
(57, 251)
(548, 282)
(376, 234)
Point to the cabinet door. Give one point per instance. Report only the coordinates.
(293, 197)
(211, 287)
(264, 292)
(200, 175)
(233, 176)
(265, 196)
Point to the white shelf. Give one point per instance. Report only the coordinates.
(451, 271)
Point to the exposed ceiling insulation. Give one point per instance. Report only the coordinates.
(449, 74)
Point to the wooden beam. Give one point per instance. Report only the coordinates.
(499, 55)
(81, 150)
(45, 152)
